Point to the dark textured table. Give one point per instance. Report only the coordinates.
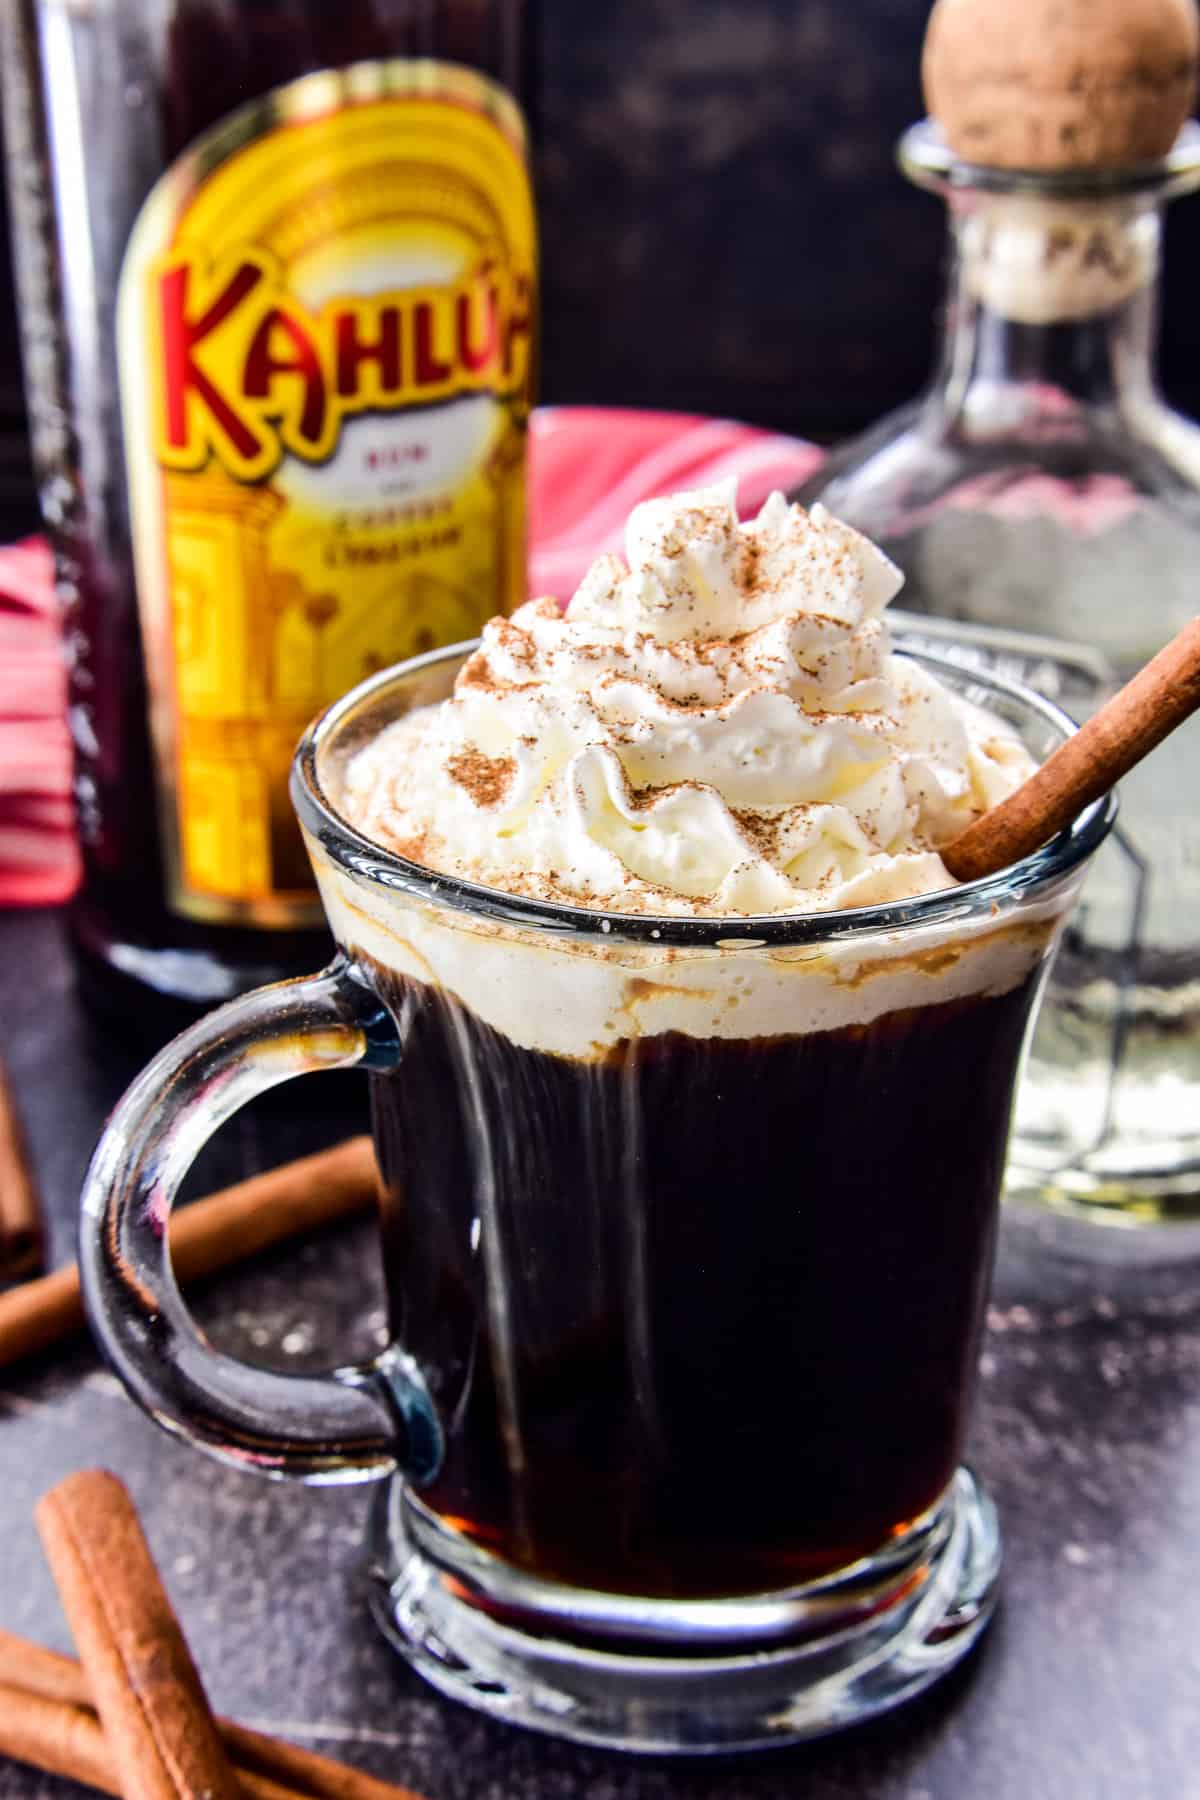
(1087, 1687)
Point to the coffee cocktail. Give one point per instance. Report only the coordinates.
(687, 1207)
(691, 1072)
(736, 1349)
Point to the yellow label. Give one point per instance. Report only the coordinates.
(326, 339)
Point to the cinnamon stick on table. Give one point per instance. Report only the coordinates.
(20, 1206)
(47, 1718)
(67, 1739)
(209, 1235)
(55, 1736)
(161, 1735)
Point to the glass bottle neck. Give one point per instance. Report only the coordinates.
(1052, 311)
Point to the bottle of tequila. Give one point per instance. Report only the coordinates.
(1044, 505)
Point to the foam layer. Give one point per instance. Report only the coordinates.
(582, 999)
(717, 729)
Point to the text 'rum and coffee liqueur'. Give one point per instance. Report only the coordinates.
(278, 291)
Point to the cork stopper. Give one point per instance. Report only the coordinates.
(1061, 84)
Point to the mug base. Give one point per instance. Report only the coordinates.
(690, 1677)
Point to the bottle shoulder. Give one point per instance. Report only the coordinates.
(929, 447)
(1083, 523)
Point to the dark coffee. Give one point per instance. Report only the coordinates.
(701, 1317)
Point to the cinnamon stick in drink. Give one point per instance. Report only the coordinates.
(162, 1737)
(1124, 730)
(46, 1718)
(20, 1206)
(209, 1235)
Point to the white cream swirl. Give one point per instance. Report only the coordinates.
(719, 728)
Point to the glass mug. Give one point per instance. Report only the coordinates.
(687, 1236)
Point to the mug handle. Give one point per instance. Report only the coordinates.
(353, 1423)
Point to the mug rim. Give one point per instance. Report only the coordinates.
(362, 858)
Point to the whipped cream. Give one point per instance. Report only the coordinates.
(718, 726)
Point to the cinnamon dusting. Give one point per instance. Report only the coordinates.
(476, 672)
(486, 778)
(762, 828)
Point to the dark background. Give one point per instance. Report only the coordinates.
(723, 226)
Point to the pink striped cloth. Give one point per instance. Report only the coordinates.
(591, 464)
(39, 860)
(588, 467)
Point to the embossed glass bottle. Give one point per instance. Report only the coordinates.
(1044, 504)
(277, 265)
